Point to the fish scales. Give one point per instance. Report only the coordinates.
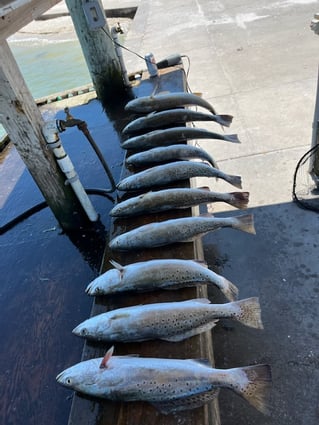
(167, 199)
(157, 380)
(168, 136)
(179, 170)
(161, 102)
(159, 274)
(173, 116)
(172, 321)
(178, 230)
(169, 153)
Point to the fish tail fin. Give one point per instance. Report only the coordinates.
(249, 312)
(256, 386)
(224, 120)
(245, 223)
(233, 138)
(234, 180)
(228, 289)
(239, 199)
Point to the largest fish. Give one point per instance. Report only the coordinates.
(179, 170)
(170, 385)
(159, 274)
(178, 230)
(170, 136)
(171, 321)
(160, 102)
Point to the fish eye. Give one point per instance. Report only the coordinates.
(84, 331)
(69, 381)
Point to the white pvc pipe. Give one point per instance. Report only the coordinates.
(51, 135)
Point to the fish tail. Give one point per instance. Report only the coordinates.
(228, 289)
(245, 223)
(256, 389)
(224, 120)
(233, 180)
(239, 199)
(233, 138)
(249, 312)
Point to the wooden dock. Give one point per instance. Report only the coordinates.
(89, 411)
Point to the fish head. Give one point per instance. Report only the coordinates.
(105, 283)
(89, 378)
(93, 328)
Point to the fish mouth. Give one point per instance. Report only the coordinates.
(59, 377)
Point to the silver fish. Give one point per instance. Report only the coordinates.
(178, 230)
(167, 173)
(169, 384)
(159, 274)
(167, 199)
(172, 116)
(161, 102)
(170, 136)
(172, 321)
(169, 153)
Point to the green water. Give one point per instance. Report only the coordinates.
(50, 67)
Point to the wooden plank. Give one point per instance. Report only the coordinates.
(90, 411)
(17, 14)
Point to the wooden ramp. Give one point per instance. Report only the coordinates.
(89, 411)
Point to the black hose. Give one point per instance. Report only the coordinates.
(39, 207)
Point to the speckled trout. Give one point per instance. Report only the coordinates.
(168, 199)
(171, 321)
(169, 384)
(160, 175)
(159, 274)
(161, 119)
(178, 230)
(170, 136)
(164, 101)
(169, 153)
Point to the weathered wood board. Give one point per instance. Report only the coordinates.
(89, 411)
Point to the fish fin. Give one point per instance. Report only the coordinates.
(224, 120)
(118, 266)
(245, 223)
(106, 358)
(256, 391)
(201, 262)
(191, 332)
(233, 138)
(239, 199)
(228, 289)
(201, 300)
(234, 180)
(186, 403)
(249, 312)
(199, 94)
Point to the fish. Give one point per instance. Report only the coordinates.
(169, 153)
(170, 321)
(161, 119)
(167, 199)
(178, 230)
(170, 136)
(164, 101)
(170, 385)
(156, 274)
(167, 173)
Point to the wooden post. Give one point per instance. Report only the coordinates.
(99, 53)
(23, 122)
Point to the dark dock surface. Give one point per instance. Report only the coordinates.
(91, 411)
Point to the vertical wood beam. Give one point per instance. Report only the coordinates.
(23, 122)
(99, 53)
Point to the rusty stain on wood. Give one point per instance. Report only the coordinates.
(90, 411)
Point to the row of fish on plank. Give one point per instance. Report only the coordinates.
(170, 385)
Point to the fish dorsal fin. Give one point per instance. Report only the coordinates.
(118, 266)
(106, 358)
(197, 93)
